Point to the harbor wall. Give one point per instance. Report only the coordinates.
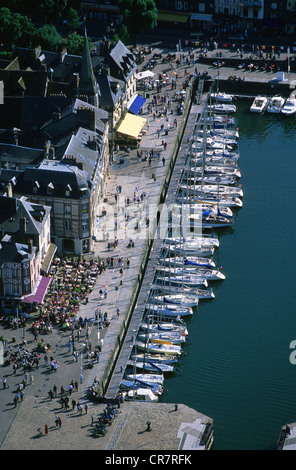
(247, 87)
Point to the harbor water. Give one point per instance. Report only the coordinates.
(237, 367)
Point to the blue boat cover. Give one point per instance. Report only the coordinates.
(135, 104)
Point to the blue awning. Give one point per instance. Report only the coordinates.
(135, 104)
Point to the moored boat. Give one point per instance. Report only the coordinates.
(259, 104)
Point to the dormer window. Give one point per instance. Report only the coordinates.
(68, 190)
(36, 186)
(50, 188)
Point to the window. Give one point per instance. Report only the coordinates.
(67, 209)
(84, 209)
(67, 224)
(84, 226)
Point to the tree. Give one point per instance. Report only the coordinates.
(74, 44)
(73, 19)
(49, 38)
(16, 28)
(122, 35)
(138, 15)
(52, 9)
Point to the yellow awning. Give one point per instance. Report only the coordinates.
(173, 17)
(131, 125)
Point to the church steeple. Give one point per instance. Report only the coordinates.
(87, 81)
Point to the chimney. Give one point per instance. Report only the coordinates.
(62, 55)
(23, 224)
(9, 189)
(30, 246)
(76, 80)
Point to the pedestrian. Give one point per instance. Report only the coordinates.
(60, 422)
(73, 404)
(118, 312)
(92, 419)
(163, 161)
(46, 429)
(76, 386)
(15, 400)
(56, 421)
(31, 379)
(70, 388)
(55, 390)
(86, 408)
(4, 383)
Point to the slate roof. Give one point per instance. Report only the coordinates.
(20, 156)
(12, 210)
(121, 61)
(14, 252)
(61, 174)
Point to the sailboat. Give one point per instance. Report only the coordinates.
(169, 311)
(185, 261)
(209, 274)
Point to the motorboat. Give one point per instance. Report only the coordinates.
(159, 348)
(222, 97)
(188, 261)
(275, 104)
(289, 107)
(169, 311)
(150, 379)
(140, 394)
(259, 104)
(222, 108)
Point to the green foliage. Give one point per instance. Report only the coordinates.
(73, 20)
(52, 9)
(139, 15)
(15, 28)
(74, 44)
(49, 38)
